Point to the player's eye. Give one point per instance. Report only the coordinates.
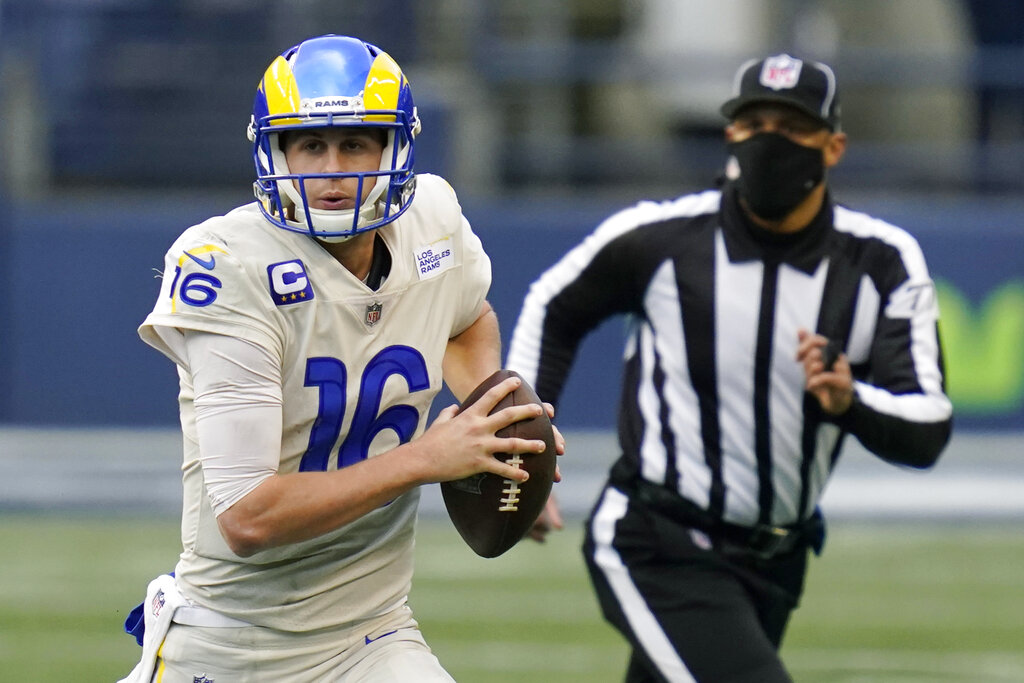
(359, 143)
(306, 144)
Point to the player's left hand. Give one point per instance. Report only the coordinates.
(559, 450)
(550, 518)
(833, 387)
(559, 439)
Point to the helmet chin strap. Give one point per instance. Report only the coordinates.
(367, 213)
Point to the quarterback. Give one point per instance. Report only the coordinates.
(311, 330)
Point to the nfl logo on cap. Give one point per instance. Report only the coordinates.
(783, 79)
(781, 72)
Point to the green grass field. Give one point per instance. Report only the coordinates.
(906, 603)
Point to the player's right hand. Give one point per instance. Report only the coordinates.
(461, 443)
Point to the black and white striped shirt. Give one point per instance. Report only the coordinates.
(713, 403)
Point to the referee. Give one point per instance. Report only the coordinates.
(767, 323)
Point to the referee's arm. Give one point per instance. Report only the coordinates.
(591, 283)
(901, 413)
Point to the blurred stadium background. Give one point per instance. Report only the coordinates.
(123, 123)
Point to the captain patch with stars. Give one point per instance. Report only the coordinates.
(289, 283)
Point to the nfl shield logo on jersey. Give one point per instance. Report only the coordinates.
(780, 72)
(373, 314)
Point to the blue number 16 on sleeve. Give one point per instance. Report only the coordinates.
(197, 289)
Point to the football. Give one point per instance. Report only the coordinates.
(491, 513)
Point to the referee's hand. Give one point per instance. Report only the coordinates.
(833, 387)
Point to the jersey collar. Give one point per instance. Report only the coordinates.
(746, 241)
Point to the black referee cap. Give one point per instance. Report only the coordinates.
(808, 86)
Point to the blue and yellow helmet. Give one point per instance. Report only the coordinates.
(333, 81)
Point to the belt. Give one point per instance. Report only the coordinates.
(762, 541)
(193, 615)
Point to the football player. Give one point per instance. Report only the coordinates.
(311, 331)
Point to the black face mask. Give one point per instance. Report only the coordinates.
(776, 174)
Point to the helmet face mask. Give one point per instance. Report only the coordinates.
(333, 81)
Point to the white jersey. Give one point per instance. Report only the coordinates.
(359, 370)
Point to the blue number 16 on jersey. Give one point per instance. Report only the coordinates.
(330, 376)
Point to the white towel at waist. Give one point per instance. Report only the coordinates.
(162, 599)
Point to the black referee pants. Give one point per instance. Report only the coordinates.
(690, 613)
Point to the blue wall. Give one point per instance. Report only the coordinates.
(79, 278)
